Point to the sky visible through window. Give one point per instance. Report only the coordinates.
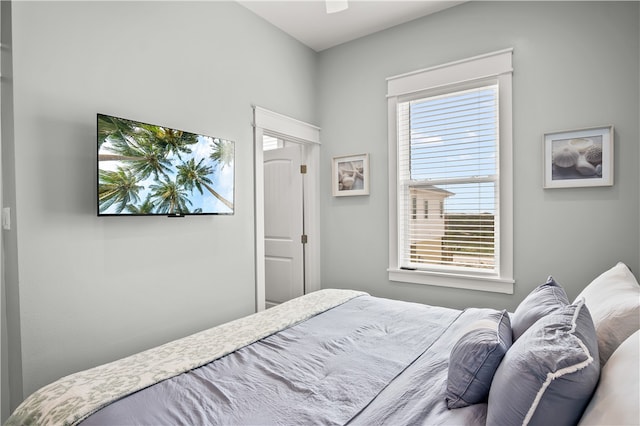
(453, 147)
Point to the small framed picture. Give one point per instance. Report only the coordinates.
(579, 158)
(350, 175)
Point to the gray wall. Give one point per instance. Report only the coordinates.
(94, 289)
(575, 66)
(11, 355)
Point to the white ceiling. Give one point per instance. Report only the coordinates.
(308, 21)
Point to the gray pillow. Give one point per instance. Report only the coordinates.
(543, 300)
(475, 358)
(550, 372)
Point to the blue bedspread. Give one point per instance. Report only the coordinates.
(367, 361)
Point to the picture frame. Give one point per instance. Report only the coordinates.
(579, 158)
(350, 175)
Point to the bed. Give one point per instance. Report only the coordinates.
(337, 357)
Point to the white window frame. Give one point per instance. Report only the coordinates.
(445, 78)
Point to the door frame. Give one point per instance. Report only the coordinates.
(291, 130)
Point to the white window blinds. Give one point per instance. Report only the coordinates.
(448, 149)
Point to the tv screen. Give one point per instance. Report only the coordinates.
(146, 169)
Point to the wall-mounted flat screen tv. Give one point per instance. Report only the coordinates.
(146, 169)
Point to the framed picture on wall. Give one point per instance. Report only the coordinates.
(579, 158)
(350, 175)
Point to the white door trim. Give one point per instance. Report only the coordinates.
(285, 127)
(278, 125)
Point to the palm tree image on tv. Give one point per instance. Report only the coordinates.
(145, 169)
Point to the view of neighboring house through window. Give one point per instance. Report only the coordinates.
(451, 183)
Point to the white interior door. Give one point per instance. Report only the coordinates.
(283, 224)
(266, 124)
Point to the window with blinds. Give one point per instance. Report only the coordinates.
(451, 174)
(448, 162)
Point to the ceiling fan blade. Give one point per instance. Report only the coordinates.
(334, 6)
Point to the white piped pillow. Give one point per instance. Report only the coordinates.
(548, 375)
(613, 299)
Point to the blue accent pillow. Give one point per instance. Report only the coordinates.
(475, 358)
(543, 300)
(550, 372)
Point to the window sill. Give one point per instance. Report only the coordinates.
(469, 282)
